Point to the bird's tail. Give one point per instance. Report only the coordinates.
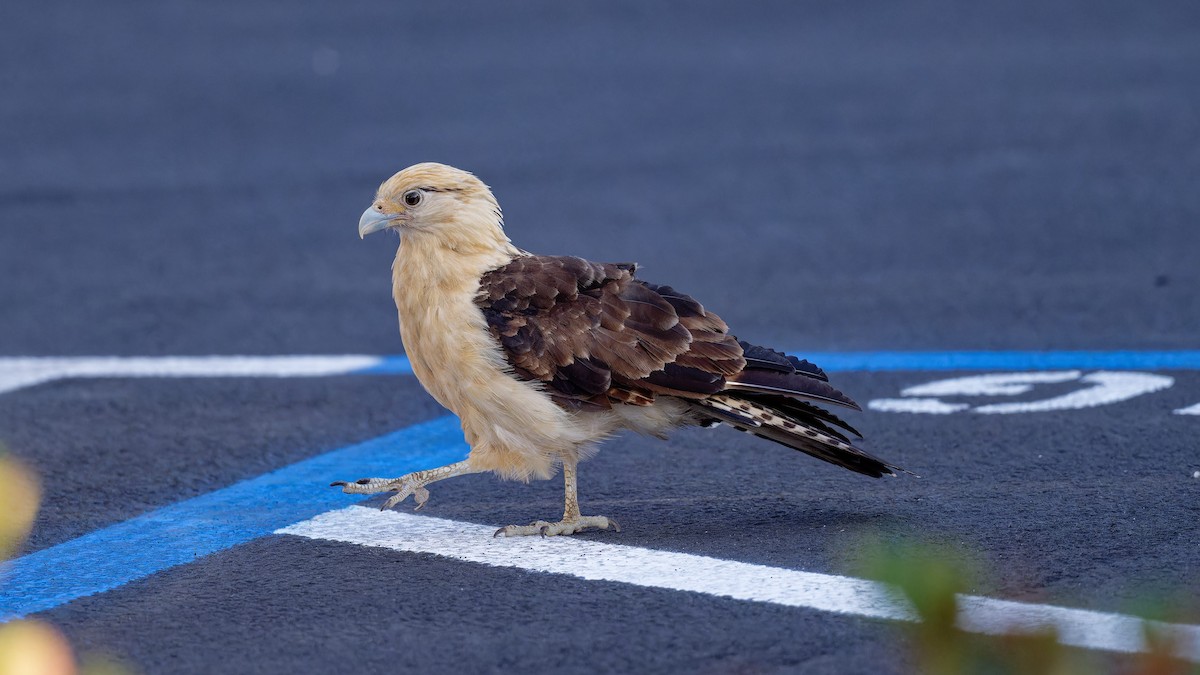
(796, 424)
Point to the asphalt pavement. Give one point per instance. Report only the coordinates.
(182, 178)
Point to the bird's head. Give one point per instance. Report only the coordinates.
(439, 202)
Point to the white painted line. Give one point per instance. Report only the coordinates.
(20, 372)
(712, 576)
(1190, 410)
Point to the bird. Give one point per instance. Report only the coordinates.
(543, 357)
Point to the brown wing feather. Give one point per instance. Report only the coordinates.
(596, 335)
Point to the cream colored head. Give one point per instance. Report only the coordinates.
(440, 203)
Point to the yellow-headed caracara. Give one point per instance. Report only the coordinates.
(543, 357)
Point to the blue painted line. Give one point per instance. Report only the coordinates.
(389, 365)
(927, 361)
(919, 361)
(182, 532)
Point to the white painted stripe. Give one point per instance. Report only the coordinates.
(1190, 410)
(16, 373)
(712, 576)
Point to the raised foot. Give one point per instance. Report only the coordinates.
(403, 487)
(563, 527)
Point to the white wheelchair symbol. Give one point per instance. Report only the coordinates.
(1100, 388)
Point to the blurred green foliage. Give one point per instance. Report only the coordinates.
(929, 578)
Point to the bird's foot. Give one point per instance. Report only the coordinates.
(562, 527)
(403, 486)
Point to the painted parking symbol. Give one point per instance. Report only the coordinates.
(1097, 389)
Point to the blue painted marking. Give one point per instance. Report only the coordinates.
(917, 361)
(180, 533)
(389, 365)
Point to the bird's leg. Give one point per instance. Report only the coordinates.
(408, 484)
(571, 521)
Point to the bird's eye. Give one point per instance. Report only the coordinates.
(412, 197)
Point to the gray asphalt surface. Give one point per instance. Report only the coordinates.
(181, 178)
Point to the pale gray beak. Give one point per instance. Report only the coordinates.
(373, 221)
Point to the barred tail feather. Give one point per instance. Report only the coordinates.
(792, 385)
(807, 413)
(810, 436)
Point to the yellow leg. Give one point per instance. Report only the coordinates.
(571, 521)
(409, 484)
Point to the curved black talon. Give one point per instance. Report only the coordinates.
(543, 530)
(337, 483)
(615, 525)
(497, 534)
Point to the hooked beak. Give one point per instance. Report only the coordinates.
(373, 221)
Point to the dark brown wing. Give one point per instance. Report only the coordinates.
(596, 335)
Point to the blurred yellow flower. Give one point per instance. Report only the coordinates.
(34, 648)
(18, 503)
